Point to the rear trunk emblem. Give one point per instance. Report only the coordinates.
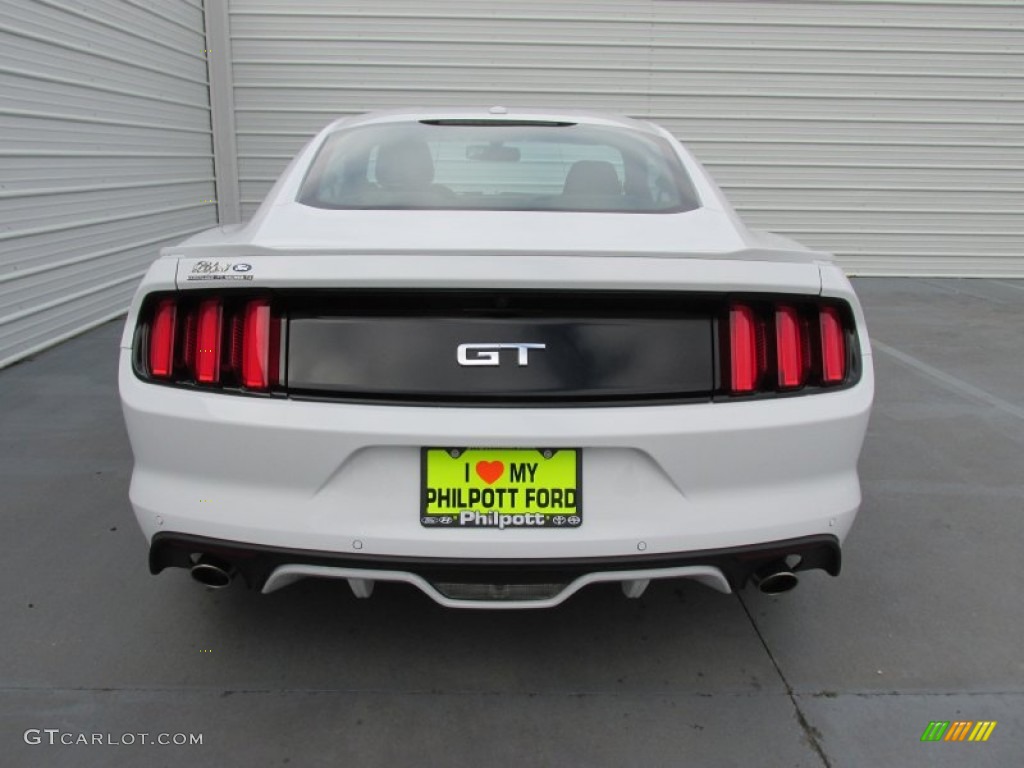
(490, 354)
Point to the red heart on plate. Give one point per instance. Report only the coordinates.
(490, 471)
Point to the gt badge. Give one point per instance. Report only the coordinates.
(490, 354)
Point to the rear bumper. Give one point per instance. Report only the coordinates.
(343, 478)
(505, 582)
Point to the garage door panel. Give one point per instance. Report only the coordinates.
(106, 155)
(855, 125)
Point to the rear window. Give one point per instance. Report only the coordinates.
(497, 166)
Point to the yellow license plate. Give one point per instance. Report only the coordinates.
(501, 488)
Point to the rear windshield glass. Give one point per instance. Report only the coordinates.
(497, 167)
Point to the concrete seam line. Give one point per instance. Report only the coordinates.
(951, 382)
(805, 726)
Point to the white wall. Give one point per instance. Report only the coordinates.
(105, 156)
(889, 132)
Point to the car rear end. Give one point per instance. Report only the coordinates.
(284, 431)
(497, 357)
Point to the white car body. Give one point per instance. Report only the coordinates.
(330, 488)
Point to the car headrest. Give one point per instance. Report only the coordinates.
(592, 177)
(405, 164)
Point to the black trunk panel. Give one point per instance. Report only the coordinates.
(586, 346)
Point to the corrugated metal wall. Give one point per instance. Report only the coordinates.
(105, 156)
(889, 132)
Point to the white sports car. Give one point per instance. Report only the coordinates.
(498, 355)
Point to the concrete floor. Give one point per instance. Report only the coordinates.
(926, 622)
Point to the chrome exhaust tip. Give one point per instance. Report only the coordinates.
(775, 579)
(212, 572)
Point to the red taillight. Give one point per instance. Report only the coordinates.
(214, 341)
(789, 346)
(744, 354)
(208, 338)
(783, 345)
(161, 339)
(259, 350)
(833, 346)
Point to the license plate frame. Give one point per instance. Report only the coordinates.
(499, 488)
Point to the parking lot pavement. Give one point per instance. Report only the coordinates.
(924, 624)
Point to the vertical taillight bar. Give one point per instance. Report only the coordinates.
(208, 339)
(259, 346)
(161, 339)
(744, 355)
(833, 346)
(789, 346)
